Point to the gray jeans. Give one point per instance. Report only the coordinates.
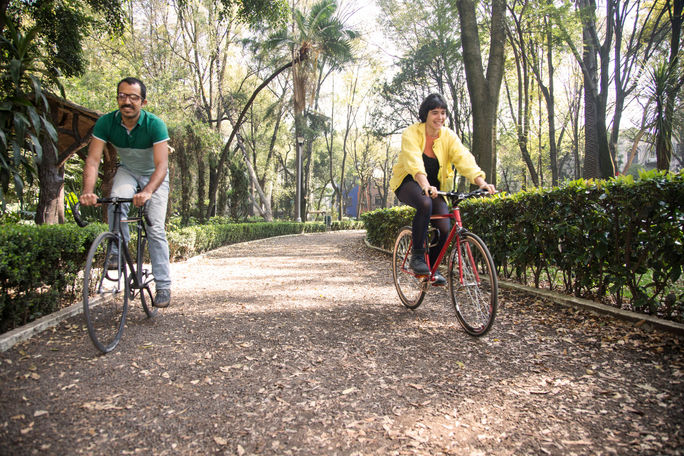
(125, 184)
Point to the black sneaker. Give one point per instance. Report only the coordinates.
(162, 298)
(418, 264)
(438, 280)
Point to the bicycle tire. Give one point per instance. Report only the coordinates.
(148, 284)
(411, 289)
(475, 298)
(105, 304)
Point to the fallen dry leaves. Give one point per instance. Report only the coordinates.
(298, 345)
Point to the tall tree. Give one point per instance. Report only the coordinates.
(483, 87)
(431, 62)
(323, 38)
(594, 61)
(670, 81)
(57, 30)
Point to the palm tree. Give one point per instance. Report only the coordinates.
(315, 39)
(318, 41)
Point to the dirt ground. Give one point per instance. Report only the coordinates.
(298, 345)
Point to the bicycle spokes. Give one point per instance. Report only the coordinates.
(473, 285)
(411, 288)
(105, 295)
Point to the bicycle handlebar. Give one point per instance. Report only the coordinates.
(110, 200)
(457, 197)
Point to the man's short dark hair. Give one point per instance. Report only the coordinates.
(134, 81)
(432, 101)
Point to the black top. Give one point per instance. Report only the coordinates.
(431, 170)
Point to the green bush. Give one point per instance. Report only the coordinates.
(346, 225)
(382, 225)
(38, 269)
(193, 240)
(620, 241)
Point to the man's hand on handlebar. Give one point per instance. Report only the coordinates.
(88, 199)
(141, 198)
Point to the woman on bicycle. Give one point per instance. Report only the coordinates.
(429, 153)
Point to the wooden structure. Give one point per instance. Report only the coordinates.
(74, 125)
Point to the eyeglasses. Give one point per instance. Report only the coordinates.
(131, 96)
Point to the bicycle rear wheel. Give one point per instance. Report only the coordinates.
(105, 294)
(411, 289)
(474, 294)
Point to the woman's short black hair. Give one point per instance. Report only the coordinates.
(432, 101)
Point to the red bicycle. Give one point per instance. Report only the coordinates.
(471, 274)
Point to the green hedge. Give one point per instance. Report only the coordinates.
(193, 240)
(39, 265)
(619, 241)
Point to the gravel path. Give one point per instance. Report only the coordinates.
(298, 345)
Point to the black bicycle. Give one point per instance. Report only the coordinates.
(112, 277)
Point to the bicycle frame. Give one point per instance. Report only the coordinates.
(137, 278)
(137, 282)
(473, 288)
(457, 230)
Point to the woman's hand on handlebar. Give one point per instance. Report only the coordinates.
(489, 188)
(430, 191)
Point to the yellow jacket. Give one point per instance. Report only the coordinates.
(447, 148)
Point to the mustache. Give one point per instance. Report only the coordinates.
(126, 106)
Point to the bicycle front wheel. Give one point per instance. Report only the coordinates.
(105, 294)
(473, 284)
(411, 289)
(148, 285)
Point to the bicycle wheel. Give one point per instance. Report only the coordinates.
(147, 297)
(474, 294)
(410, 288)
(105, 295)
(148, 289)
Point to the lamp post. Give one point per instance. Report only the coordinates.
(298, 204)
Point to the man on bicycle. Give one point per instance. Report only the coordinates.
(141, 142)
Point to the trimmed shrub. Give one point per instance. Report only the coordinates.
(620, 241)
(39, 266)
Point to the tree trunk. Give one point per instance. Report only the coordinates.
(50, 210)
(265, 207)
(201, 183)
(591, 160)
(484, 91)
(672, 87)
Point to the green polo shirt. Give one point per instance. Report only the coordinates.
(134, 147)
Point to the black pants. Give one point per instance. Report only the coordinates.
(410, 193)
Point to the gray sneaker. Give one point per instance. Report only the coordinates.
(163, 298)
(112, 262)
